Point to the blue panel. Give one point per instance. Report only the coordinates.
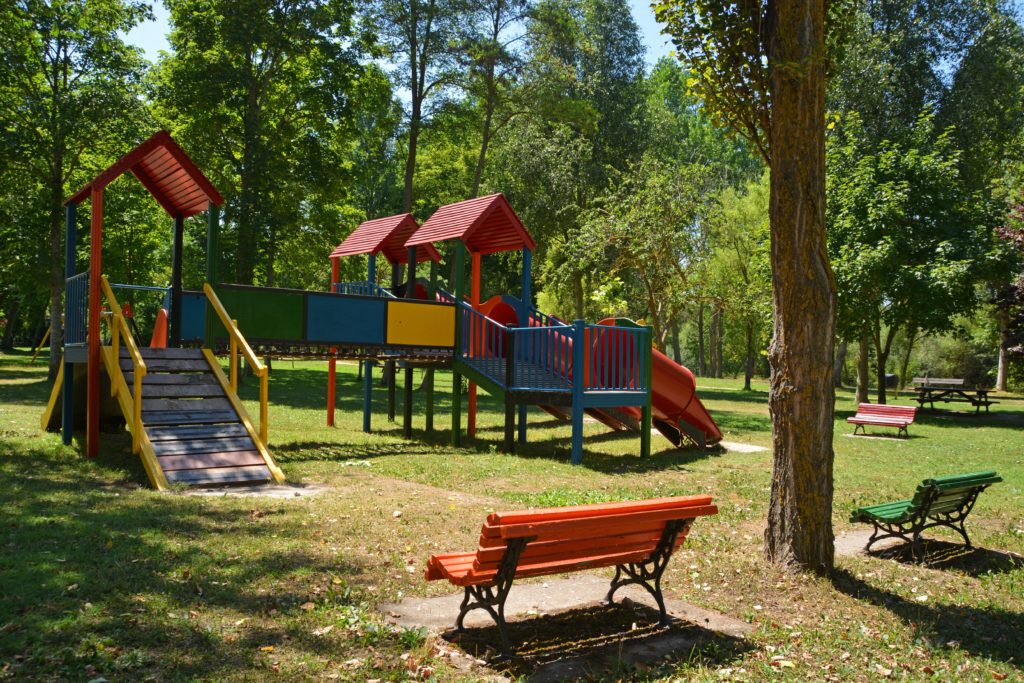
(193, 316)
(340, 319)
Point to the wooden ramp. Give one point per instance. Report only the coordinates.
(195, 430)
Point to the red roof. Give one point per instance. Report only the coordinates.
(387, 236)
(486, 225)
(166, 171)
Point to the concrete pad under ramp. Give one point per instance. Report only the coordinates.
(561, 630)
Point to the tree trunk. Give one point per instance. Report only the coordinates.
(57, 222)
(577, 294)
(863, 351)
(676, 350)
(748, 363)
(882, 358)
(905, 362)
(801, 399)
(713, 343)
(12, 323)
(1004, 341)
(720, 351)
(410, 159)
(702, 367)
(485, 134)
(838, 364)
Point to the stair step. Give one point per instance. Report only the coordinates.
(179, 391)
(174, 463)
(169, 354)
(168, 365)
(153, 379)
(188, 417)
(199, 446)
(220, 475)
(151, 405)
(187, 433)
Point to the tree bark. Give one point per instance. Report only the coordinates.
(801, 398)
(702, 367)
(56, 263)
(905, 363)
(713, 343)
(1004, 341)
(577, 294)
(12, 323)
(863, 364)
(748, 363)
(720, 351)
(882, 350)
(676, 350)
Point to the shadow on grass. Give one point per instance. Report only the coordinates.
(597, 642)
(985, 632)
(943, 555)
(90, 574)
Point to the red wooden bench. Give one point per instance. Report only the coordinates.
(883, 416)
(636, 537)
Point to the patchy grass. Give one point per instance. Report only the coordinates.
(102, 578)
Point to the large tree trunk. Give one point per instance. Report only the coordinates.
(677, 354)
(801, 398)
(905, 363)
(882, 350)
(577, 294)
(410, 159)
(720, 351)
(838, 365)
(713, 343)
(863, 369)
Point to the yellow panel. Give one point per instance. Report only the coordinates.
(419, 324)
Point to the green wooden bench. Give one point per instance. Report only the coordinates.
(941, 501)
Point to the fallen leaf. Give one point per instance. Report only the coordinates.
(928, 670)
(999, 676)
(306, 606)
(267, 648)
(323, 631)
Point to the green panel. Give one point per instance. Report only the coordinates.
(263, 314)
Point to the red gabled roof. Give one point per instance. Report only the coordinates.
(166, 171)
(486, 225)
(386, 236)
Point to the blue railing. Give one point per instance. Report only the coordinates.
(445, 296)
(365, 288)
(616, 359)
(483, 339)
(76, 309)
(543, 357)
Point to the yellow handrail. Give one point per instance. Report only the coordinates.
(236, 341)
(118, 329)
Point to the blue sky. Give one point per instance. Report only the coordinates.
(152, 35)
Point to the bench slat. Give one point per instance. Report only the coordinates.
(615, 524)
(596, 510)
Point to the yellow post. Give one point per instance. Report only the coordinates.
(137, 416)
(115, 343)
(234, 355)
(264, 408)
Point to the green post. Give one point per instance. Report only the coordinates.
(645, 420)
(431, 293)
(212, 257)
(460, 267)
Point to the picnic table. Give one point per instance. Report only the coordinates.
(950, 390)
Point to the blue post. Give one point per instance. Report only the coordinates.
(68, 397)
(371, 275)
(645, 420)
(578, 376)
(524, 321)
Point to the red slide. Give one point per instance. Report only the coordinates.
(676, 411)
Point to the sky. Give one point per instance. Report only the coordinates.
(152, 35)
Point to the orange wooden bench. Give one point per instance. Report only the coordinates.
(636, 537)
(883, 416)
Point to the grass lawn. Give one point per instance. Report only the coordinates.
(102, 578)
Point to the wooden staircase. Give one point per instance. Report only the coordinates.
(195, 430)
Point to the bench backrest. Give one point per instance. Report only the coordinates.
(948, 494)
(938, 382)
(909, 412)
(586, 535)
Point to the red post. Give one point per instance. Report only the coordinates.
(474, 300)
(332, 362)
(92, 430)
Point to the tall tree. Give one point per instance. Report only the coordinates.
(261, 90)
(760, 67)
(68, 85)
(421, 39)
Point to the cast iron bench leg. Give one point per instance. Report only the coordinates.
(648, 574)
(491, 596)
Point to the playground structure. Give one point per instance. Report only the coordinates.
(186, 420)
(184, 414)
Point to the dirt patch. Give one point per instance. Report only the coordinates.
(261, 491)
(735, 447)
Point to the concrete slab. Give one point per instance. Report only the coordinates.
(851, 543)
(736, 447)
(564, 631)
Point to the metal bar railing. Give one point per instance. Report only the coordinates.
(364, 288)
(616, 358)
(544, 357)
(237, 341)
(119, 331)
(76, 309)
